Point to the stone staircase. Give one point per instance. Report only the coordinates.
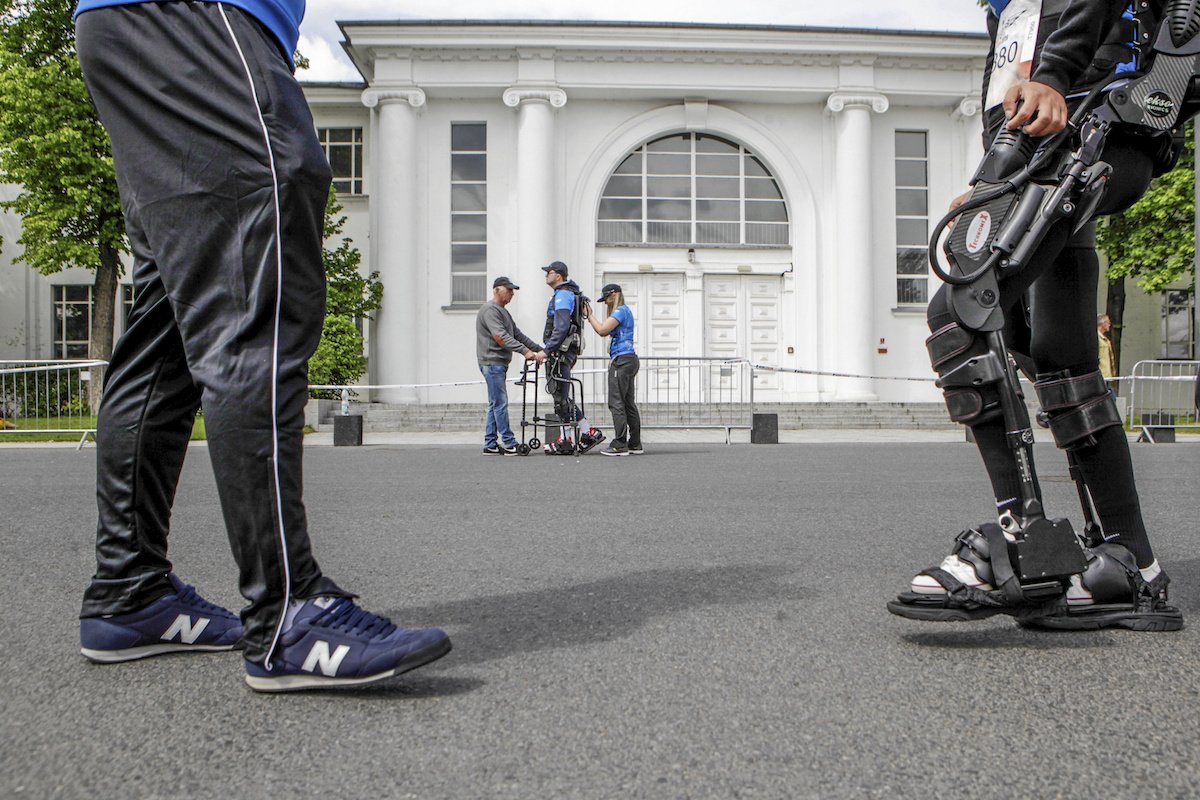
(387, 417)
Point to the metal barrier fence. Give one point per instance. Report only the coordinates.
(1162, 394)
(50, 396)
(679, 391)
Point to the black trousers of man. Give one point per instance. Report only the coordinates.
(223, 185)
(627, 420)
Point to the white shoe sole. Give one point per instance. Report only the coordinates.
(291, 683)
(146, 651)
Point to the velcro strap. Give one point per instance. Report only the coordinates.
(1081, 422)
(964, 405)
(960, 592)
(1064, 393)
(948, 342)
(1002, 569)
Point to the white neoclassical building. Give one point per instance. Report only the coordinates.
(762, 192)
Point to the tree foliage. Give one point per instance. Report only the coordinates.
(53, 146)
(1154, 240)
(339, 359)
(350, 293)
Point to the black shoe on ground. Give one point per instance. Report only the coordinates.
(509, 451)
(494, 450)
(614, 451)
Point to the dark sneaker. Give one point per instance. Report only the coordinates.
(588, 440)
(636, 449)
(494, 450)
(614, 451)
(509, 451)
(333, 642)
(180, 622)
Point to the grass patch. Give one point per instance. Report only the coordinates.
(28, 430)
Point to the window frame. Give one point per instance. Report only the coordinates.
(1187, 310)
(356, 178)
(59, 303)
(467, 297)
(908, 250)
(660, 165)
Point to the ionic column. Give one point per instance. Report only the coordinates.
(850, 321)
(537, 210)
(395, 247)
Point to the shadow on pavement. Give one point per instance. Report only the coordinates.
(495, 627)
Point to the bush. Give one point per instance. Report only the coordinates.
(339, 359)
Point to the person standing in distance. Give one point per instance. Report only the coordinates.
(223, 185)
(622, 372)
(497, 338)
(1108, 361)
(564, 343)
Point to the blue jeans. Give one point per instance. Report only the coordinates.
(497, 412)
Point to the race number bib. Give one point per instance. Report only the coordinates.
(1016, 40)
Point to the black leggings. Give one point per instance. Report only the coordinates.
(1050, 311)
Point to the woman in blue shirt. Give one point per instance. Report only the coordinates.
(622, 370)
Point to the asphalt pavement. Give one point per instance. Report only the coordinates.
(703, 621)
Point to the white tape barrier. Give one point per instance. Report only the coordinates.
(481, 382)
(754, 365)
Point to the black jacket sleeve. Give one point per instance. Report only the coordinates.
(1069, 50)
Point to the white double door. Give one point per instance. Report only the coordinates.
(734, 316)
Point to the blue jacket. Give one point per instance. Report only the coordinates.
(280, 17)
(558, 315)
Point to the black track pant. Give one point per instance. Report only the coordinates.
(223, 185)
(1050, 310)
(627, 421)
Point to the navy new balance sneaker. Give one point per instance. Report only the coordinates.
(181, 622)
(333, 642)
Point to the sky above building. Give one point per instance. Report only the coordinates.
(320, 39)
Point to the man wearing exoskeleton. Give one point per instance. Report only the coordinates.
(563, 345)
(1020, 292)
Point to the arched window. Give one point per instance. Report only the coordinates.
(692, 189)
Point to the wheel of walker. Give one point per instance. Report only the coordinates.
(534, 443)
(523, 449)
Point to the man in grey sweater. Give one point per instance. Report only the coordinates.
(497, 338)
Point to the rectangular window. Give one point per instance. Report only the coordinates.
(912, 217)
(1178, 324)
(468, 213)
(344, 151)
(72, 320)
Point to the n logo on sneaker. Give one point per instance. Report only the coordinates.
(320, 655)
(188, 633)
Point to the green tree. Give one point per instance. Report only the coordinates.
(1153, 242)
(53, 147)
(351, 297)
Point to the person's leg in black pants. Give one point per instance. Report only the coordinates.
(627, 423)
(224, 184)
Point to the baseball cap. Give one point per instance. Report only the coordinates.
(608, 289)
(504, 281)
(556, 266)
